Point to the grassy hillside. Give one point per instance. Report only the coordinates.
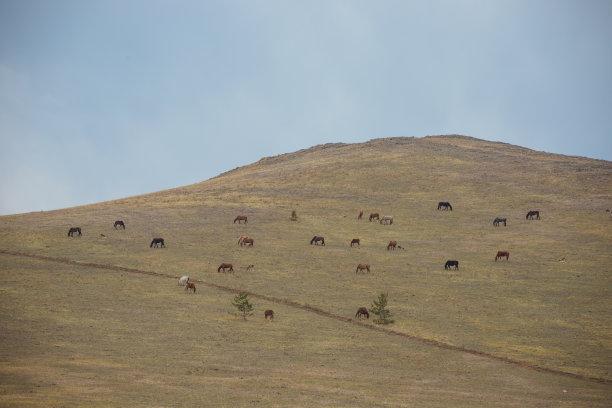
(531, 309)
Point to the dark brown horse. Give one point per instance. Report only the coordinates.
(119, 224)
(355, 241)
(157, 241)
(501, 254)
(241, 218)
(190, 286)
(445, 204)
(316, 240)
(269, 313)
(392, 245)
(374, 216)
(362, 267)
(360, 216)
(225, 266)
(532, 214)
(362, 311)
(72, 230)
(450, 264)
(247, 242)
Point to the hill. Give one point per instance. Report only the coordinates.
(509, 333)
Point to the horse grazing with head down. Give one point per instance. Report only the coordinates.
(157, 241)
(119, 224)
(250, 267)
(317, 239)
(362, 311)
(392, 245)
(190, 286)
(241, 218)
(374, 216)
(501, 254)
(445, 204)
(386, 219)
(269, 313)
(225, 266)
(74, 230)
(183, 280)
(355, 241)
(498, 220)
(247, 242)
(362, 267)
(532, 214)
(450, 264)
(242, 238)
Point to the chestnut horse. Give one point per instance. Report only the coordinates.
(355, 241)
(316, 239)
(269, 313)
(241, 218)
(374, 216)
(392, 245)
(362, 311)
(501, 254)
(190, 285)
(72, 230)
(242, 238)
(119, 224)
(225, 266)
(532, 214)
(362, 267)
(157, 241)
(247, 241)
(360, 216)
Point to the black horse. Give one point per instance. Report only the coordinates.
(157, 241)
(446, 205)
(449, 264)
(532, 214)
(498, 220)
(72, 230)
(316, 239)
(119, 224)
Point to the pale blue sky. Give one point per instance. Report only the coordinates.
(107, 99)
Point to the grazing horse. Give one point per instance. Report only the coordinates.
(501, 254)
(362, 311)
(241, 218)
(360, 216)
(374, 216)
(392, 245)
(362, 267)
(190, 285)
(242, 238)
(355, 241)
(446, 205)
(532, 214)
(316, 239)
(386, 218)
(183, 280)
(269, 313)
(250, 267)
(498, 220)
(247, 242)
(72, 230)
(448, 265)
(157, 241)
(225, 266)
(119, 224)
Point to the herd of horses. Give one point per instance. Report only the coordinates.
(247, 241)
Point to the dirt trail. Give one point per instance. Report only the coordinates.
(312, 309)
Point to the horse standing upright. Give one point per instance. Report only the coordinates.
(269, 313)
(74, 230)
(532, 214)
(317, 239)
(445, 204)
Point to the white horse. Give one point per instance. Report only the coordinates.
(183, 280)
(386, 218)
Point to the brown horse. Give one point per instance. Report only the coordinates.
(360, 216)
(362, 311)
(247, 242)
(119, 224)
(188, 286)
(355, 241)
(241, 218)
(501, 254)
(374, 216)
(392, 245)
(269, 313)
(225, 266)
(362, 267)
(250, 267)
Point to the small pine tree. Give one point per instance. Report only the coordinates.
(379, 308)
(293, 216)
(241, 302)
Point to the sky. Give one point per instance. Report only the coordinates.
(104, 99)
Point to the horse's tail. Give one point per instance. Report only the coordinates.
(391, 221)
(450, 207)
